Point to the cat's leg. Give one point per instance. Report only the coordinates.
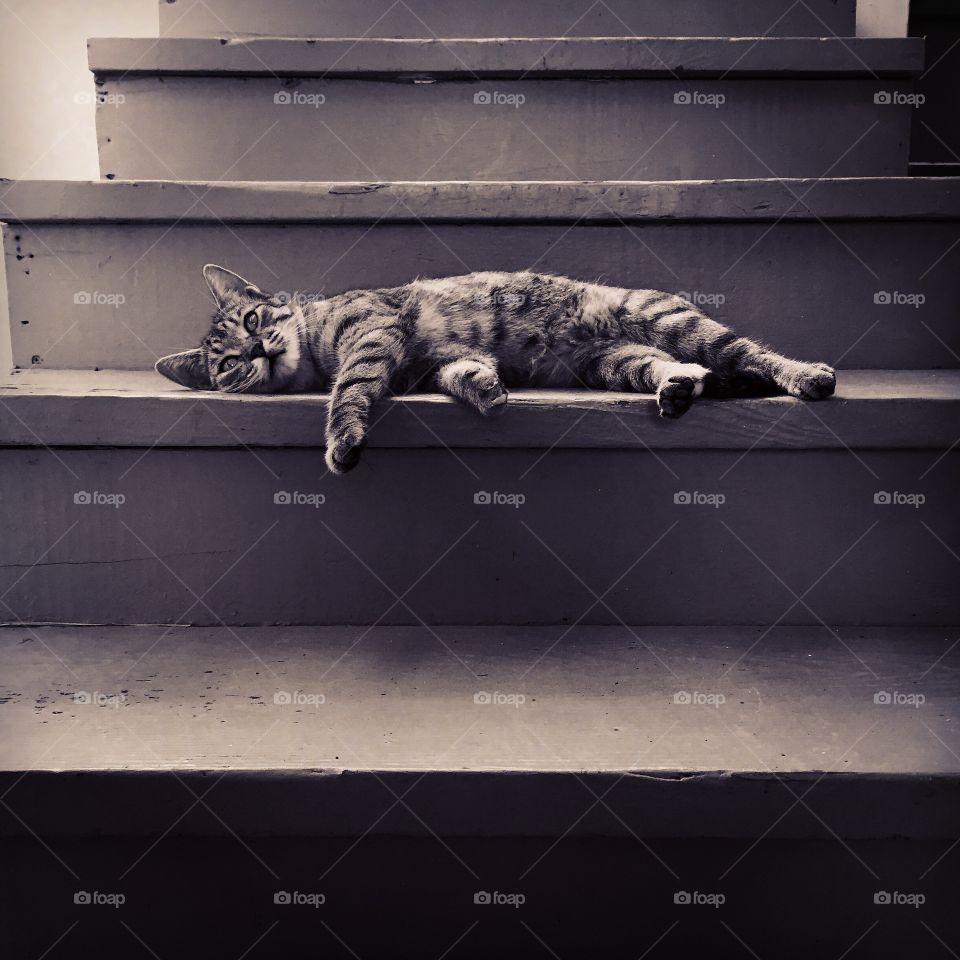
(364, 376)
(741, 366)
(473, 378)
(631, 366)
(807, 381)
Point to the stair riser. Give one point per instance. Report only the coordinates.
(598, 510)
(197, 128)
(580, 895)
(805, 287)
(492, 18)
(493, 804)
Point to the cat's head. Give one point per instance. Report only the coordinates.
(253, 346)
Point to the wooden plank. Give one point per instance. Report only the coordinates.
(678, 127)
(492, 18)
(811, 289)
(604, 56)
(151, 299)
(405, 705)
(579, 893)
(591, 520)
(762, 200)
(888, 409)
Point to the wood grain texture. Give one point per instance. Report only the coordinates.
(888, 409)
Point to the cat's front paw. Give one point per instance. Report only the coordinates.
(343, 452)
(484, 390)
(815, 381)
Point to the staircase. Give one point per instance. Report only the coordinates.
(574, 682)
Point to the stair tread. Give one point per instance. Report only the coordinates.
(644, 56)
(774, 200)
(598, 699)
(890, 408)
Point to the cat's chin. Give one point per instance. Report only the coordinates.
(272, 374)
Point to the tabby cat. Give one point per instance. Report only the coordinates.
(472, 337)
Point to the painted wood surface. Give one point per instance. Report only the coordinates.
(682, 127)
(856, 293)
(302, 719)
(490, 18)
(248, 534)
(904, 409)
(604, 56)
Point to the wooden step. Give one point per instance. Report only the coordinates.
(162, 505)
(859, 273)
(298, 725)
(490, 18)
(524, 109)
(164, 766)
(889, 409)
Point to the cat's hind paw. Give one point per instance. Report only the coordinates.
(676, 394)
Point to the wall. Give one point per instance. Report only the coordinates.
(46, 112)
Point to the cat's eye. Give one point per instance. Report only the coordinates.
(251, 321)
(227, 363)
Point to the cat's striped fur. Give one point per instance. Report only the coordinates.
(473, 337)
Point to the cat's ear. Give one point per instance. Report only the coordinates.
(188, 368)
(227, 287)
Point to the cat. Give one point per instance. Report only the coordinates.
(473, 337)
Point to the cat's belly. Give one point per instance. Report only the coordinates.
(546, 368)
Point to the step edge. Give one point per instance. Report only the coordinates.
(908, 198)
(676, 57)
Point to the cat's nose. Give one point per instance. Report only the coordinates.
(256, 350)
